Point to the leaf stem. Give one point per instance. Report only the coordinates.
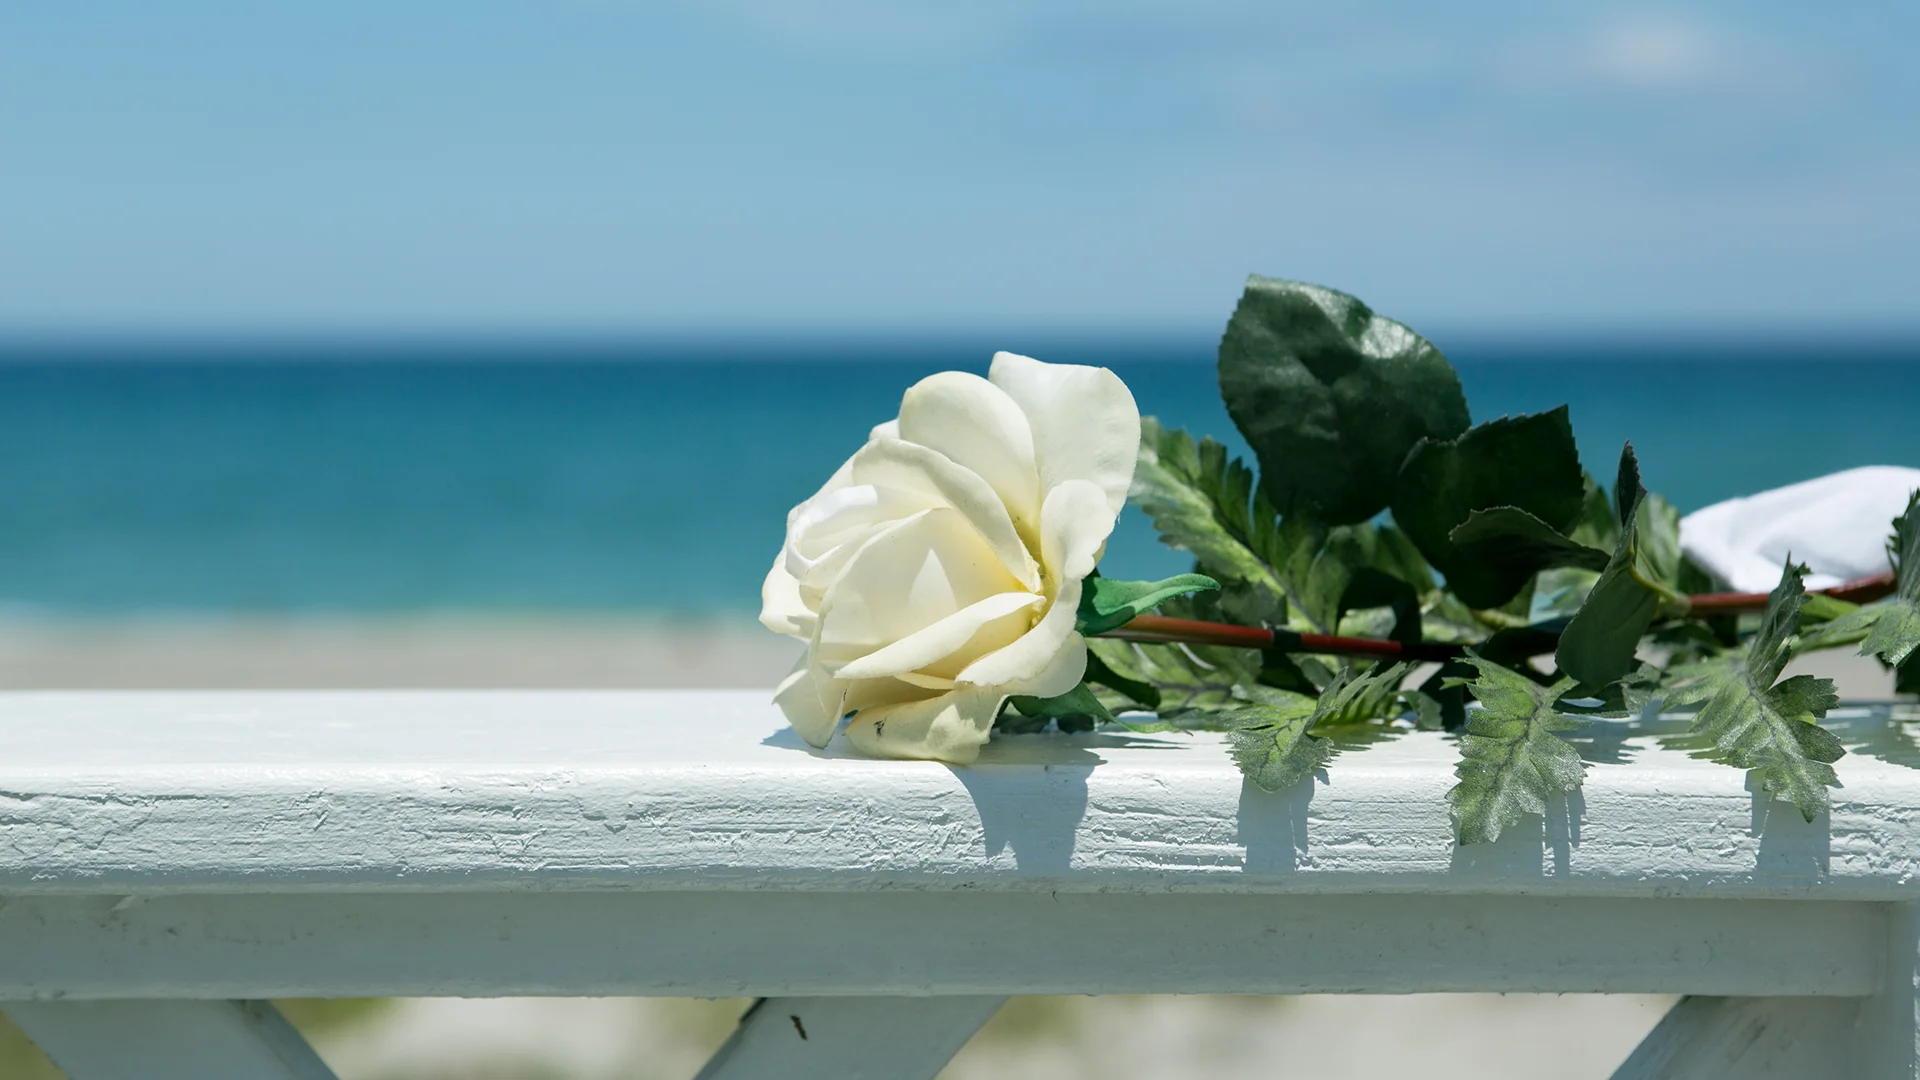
(1162, 628)
(1858, 591)
(1165, 629)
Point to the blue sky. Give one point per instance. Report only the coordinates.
(594, 165)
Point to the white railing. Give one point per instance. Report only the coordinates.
(169, 859)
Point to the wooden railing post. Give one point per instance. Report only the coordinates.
(168, 1040)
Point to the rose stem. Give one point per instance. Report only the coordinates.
(1162, 628)
(1858, 591)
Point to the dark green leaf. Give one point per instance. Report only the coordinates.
(1289, 571)
(1526, 463)
(1896, 631)
(1598, 645)
(1075, 703)
(1395, 554)
(1510, 537)
(1759, 724)
(1331, 397)
(1598, 527)
(1106, 603)
(1511, 762)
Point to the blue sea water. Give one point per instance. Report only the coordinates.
(656, 478)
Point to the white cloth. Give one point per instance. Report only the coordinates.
(1836, 524)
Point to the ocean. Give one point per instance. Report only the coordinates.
(655, 478)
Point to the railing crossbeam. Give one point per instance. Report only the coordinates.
(168, 1039)
(849, 1038)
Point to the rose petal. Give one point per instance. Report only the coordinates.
(1074, 524)
(1035, 652)
(811, 702)
(1067, 668)
(869, 693)
(781, 608)
(943, 638)
(838, 521)
(1074, 528)
(1084, 421)
(977, 426)
(903, 580)
(896, 465)
(951, 727)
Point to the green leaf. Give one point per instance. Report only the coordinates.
(1598, 526)
(1657, 531)
(1331, 397)
(1511, 762)
(1271, 745)
(1272, 740)
(1106, 603)
(1896, 631)
(1181, 677)
(1598, 645)
(1272, 570)
(1756, 723)
(1202, 501)
(1509, 536)
(1120, 691)
(1527, 463)
(1077, 703)
(1837, 623)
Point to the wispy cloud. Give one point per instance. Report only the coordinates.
(1658, 54)
(1661, 52)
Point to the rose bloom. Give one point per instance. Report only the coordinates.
(940, 569)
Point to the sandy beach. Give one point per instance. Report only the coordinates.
(468, 652)
(372, 652)
(1444, 1037)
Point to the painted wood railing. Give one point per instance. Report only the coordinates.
(170, 860)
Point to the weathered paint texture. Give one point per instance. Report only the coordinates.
(161, 792)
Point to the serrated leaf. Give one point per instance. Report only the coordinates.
(1181, 677)
(1598, 645)
(1527, 462)
(1331, 397)
(1511, 762)
(1896, 630)
(1106, 603)
(1271, 745)
(1509, 536)
(1201, 500)
(1291, 571)
(1272, 741)
(1754, 723)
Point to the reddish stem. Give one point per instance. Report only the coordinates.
(1162, 628)
(1857, 591)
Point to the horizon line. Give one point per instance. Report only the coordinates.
(869, 343)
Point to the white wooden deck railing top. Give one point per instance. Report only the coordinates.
(166, 859)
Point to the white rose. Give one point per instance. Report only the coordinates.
(940, 569)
